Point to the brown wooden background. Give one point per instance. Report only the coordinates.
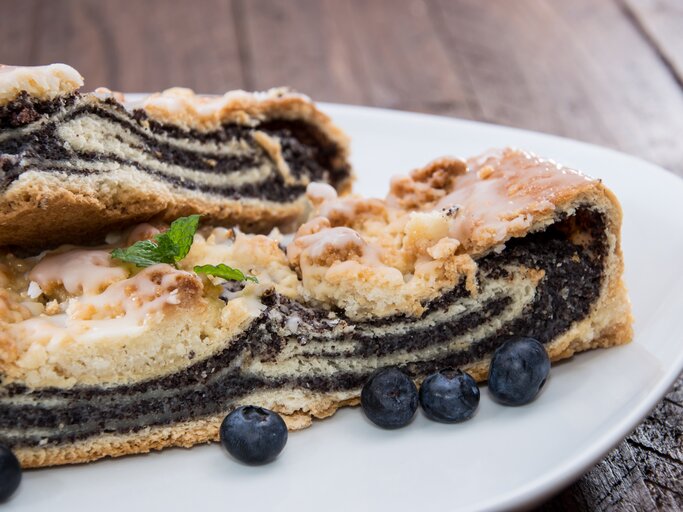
(604, 71)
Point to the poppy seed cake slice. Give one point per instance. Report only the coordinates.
(75, 165)
(99, 358)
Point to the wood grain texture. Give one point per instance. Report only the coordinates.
(606, 71)
(661, 22)
(300, 44)
(352, 52)
(127, 44)
(644, 473)
(17, 31)
(561, 67)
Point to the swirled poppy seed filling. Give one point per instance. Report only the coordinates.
(55, 135)
(570, 286)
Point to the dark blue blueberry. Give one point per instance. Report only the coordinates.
(253, 435)
(449, 396)
(10, 473)
(519, 368)
(389, 398)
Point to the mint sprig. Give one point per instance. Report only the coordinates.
(181, 233)
(225, 272)
(169, 247)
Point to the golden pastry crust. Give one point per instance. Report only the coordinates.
(43, 210)
(177, 105)
(40, 209)
(183, 107)
(374, 258)
(499, 195)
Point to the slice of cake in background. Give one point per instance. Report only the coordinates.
(73, 165)
(99, 358)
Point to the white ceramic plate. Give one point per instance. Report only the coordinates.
(503, 457)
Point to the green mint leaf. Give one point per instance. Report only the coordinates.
(181, 233)
(169, 247)
(142, 254)
(224, 271)
(166, 249)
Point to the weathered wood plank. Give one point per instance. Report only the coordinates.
(73, 32)
(297, 44)
(17, 29)
(645, 472)
(562, 67)
(615, 483)
(134, 46)
(404, 63)
(302, 45)
(354, 52)
(661, 22)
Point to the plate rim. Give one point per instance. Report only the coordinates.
(547, 485)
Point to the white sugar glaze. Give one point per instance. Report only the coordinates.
(79, 271)
(44, 82)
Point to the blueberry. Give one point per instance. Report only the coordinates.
(389, 398)
(449, 396)
(519, 368)
(10, 473)
(253, 435)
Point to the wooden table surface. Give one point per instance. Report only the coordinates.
(604, 71)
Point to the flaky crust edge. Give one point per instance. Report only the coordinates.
(183, 435)
(83, 207)
(78, 215)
